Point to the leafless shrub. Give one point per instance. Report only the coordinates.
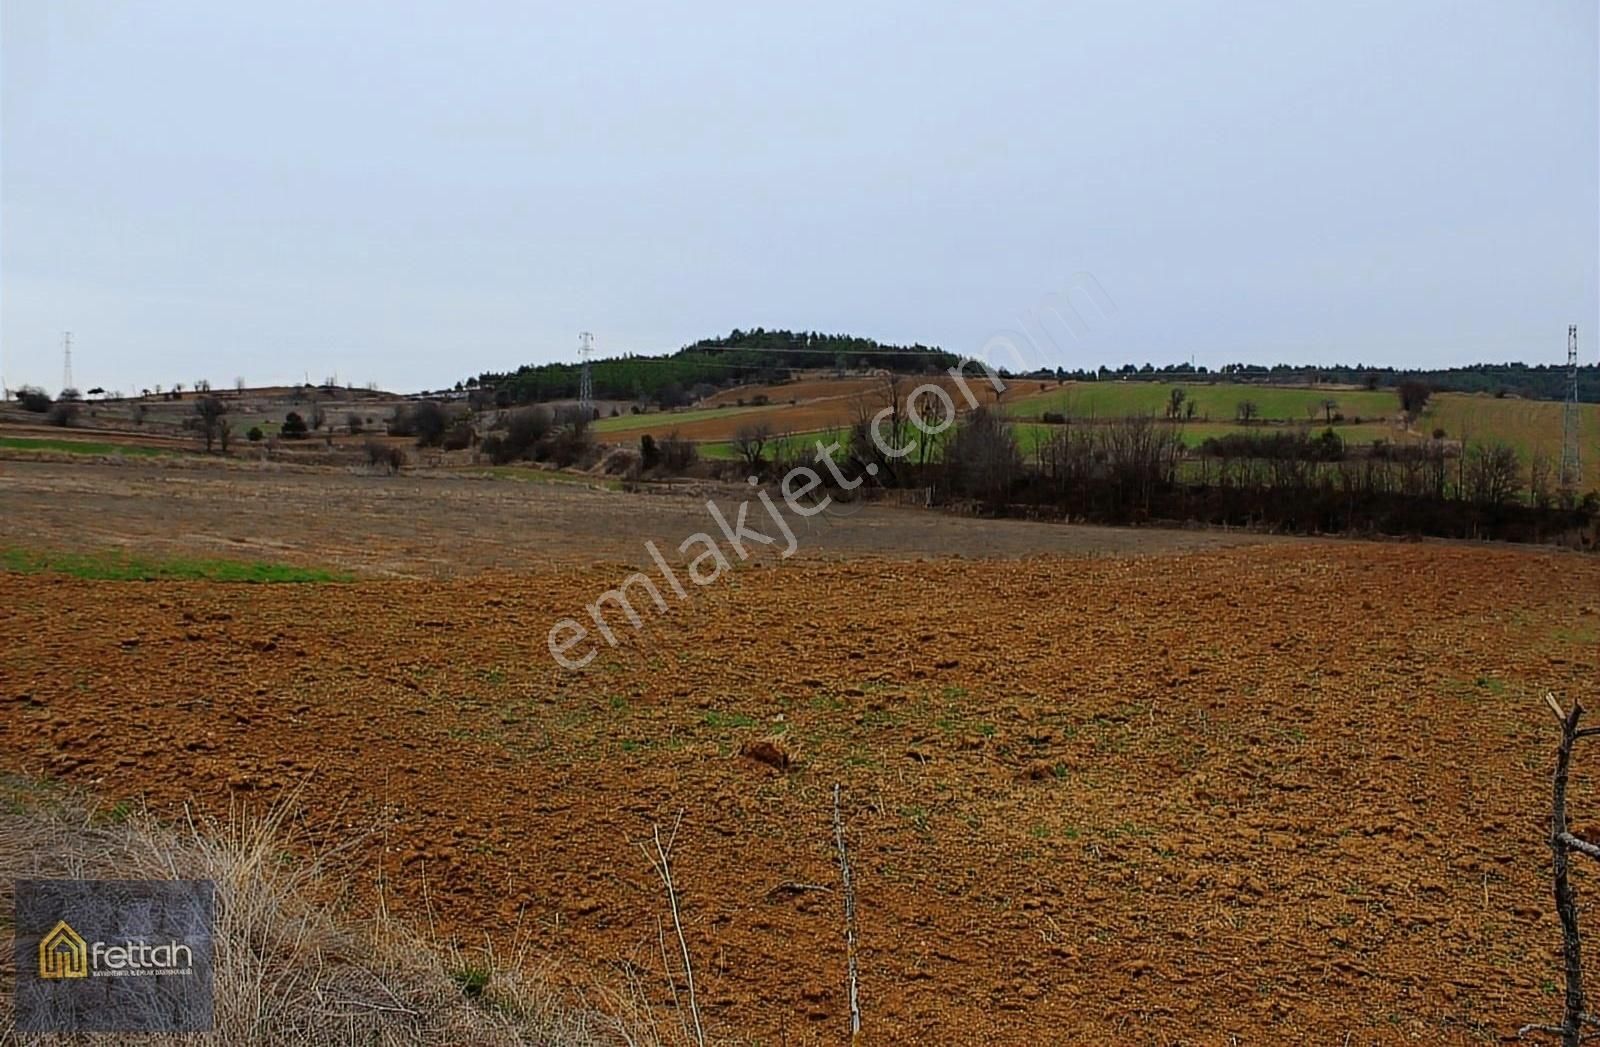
(981, 459)
(34, 399)
(1492, 475)
(677, 454)
(750, 440)
(460, 435)
(428, 421)
(385, 456)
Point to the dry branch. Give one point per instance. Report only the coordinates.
(1562, 844)
(849, 916)
(662, 864)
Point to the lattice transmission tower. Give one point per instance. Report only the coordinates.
(66, 361)
(585, 382)
(1571, 462)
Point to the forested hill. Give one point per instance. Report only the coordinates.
(761, 355)
(740, 356)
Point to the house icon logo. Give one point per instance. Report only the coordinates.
(63, 954)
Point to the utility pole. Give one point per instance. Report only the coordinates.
(1571, 463)
(66, 362)
(585, 382)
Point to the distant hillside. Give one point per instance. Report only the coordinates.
(761, 355)
(740, 356)
(1531, 382)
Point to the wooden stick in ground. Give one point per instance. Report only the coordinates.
(849, 915)
(661, 862)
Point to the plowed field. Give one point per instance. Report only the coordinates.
(1291, 793)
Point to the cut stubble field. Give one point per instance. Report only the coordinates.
(1286, 791)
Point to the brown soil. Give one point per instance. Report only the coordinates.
(428, 525)
(1289, 793)
(822, 404)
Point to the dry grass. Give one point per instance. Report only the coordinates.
(288, 971)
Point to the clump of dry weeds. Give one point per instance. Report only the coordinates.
(288, 970)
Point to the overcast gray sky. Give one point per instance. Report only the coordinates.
(411, 193)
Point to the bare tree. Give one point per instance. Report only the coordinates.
(208, 414)
(882, 421)
(981, 460)
(751, 442)
(1328, 408)
(1492, 474)
(1414, 396)
(1247, 411)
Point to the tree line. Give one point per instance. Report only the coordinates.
(1137, 470)
(756, 355)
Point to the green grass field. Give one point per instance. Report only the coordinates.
(119, 567)
(1531, 426)
(1031, 434)
(1213, 403)
(32, 443)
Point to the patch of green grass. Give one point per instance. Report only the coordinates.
(119, 567)
(33, 443)
(1581, 635)
(471, 981)
(917, 816)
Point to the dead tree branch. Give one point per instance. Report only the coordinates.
(849, 916)
(1562, 844)
(662, 864)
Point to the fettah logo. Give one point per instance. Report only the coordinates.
(63, 954)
